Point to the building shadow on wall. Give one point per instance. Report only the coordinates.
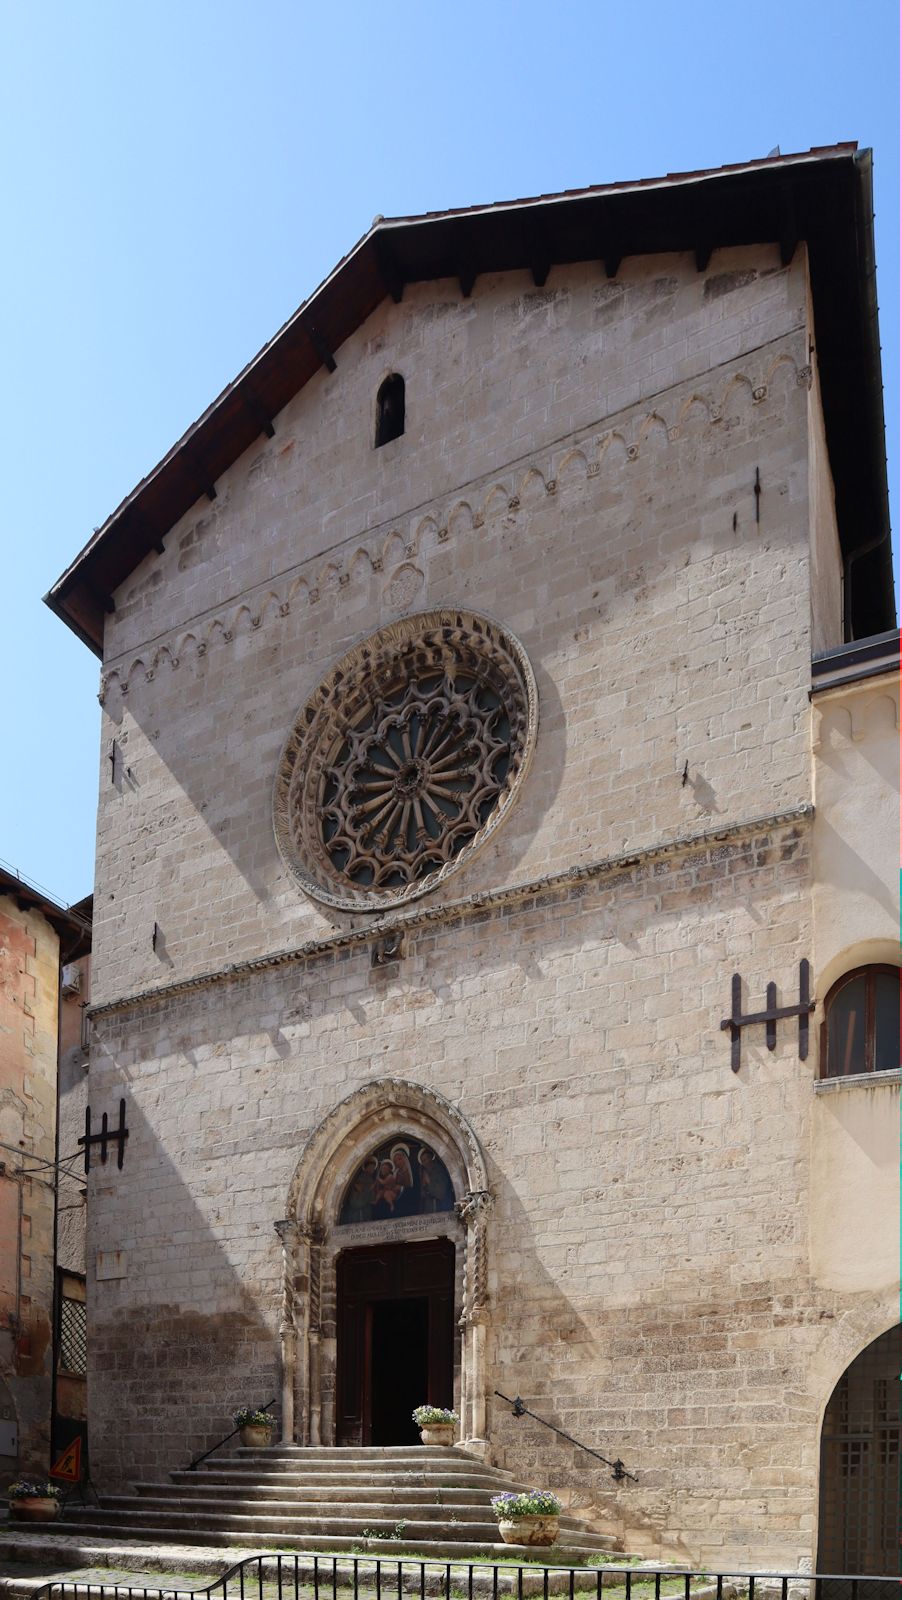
(182, 1314)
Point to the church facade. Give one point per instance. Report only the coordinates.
(499, 711)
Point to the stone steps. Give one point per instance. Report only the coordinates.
(411, 1487)
(313, 1544)
(477, 1520)
(421, 1500)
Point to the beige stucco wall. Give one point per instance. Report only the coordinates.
(29, 984)
(855, 1126)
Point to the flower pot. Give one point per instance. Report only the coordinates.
(256, 1436)
(437, 1432)
(35, 1508)
(530, 1530)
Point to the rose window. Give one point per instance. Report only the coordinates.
(405, 759)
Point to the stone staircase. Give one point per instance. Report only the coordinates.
(425, 1500)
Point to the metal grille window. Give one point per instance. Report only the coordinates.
(861, 1463)
(861, 1023)
(73, 1337)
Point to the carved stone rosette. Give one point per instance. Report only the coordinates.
(405, 759)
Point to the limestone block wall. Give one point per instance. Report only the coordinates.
(29, 982)
(580, 462)
(649, 1278)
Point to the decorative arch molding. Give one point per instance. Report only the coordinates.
(590, 453)
(863, 953)
(312, 1240)
(851, 1335)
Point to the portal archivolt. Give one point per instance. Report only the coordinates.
(314, 1235)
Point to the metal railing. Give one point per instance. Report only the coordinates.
(618, 1470)
(271, 1405)
(361, 1577)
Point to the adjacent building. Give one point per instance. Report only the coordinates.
(42, 947)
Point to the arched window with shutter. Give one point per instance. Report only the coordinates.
(861, 1023)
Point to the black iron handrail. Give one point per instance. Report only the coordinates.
(270, 1405)
(365, 1577)
(618, 1470)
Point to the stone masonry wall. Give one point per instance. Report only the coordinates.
(580, 462)
(648, 1275)
(616, 534)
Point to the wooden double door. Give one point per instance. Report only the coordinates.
(395, 1339)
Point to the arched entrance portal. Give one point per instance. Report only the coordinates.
(859, 1523)
(385, 1271)
(395, 1338)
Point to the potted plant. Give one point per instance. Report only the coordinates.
(530, 1518)
(34, 1502)
(255, 1428)
(436, 1424)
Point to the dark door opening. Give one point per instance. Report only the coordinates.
(399, 1373)
(395, 1339)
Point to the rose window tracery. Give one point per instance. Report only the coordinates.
(405, 759)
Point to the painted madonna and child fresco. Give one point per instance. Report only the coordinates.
(401, 1178)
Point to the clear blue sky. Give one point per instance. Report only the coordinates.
(179, 176)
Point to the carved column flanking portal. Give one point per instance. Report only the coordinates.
(473, 1210)
(288, 1233)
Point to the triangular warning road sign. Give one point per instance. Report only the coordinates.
(68, 1467)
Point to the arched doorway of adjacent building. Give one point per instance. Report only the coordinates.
(385, 1271)
(859, 1523)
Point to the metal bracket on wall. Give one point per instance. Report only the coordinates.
(106, 1136)
(771, 1016)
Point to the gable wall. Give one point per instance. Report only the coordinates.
(579, 463)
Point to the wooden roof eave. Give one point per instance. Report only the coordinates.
(780, 201)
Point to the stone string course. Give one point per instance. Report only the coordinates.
(402, 923)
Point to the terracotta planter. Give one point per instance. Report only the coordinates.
(530, 1530)
(256, 1436)
(437, 1432)
(36, 1508)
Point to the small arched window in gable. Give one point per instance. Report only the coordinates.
(390, 409)
(861, 1023)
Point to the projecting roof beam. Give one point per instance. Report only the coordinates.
(612, 259)
(466, 277)
(322, 349)
(205, 483)
(259, 413)
(789, 229)
(388, 269)
(703, 254)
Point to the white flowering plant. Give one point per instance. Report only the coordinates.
(253, 1419)
(25, 1489)
(428, 1416)
(533, 1503)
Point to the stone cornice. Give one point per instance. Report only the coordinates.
(468, 905)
